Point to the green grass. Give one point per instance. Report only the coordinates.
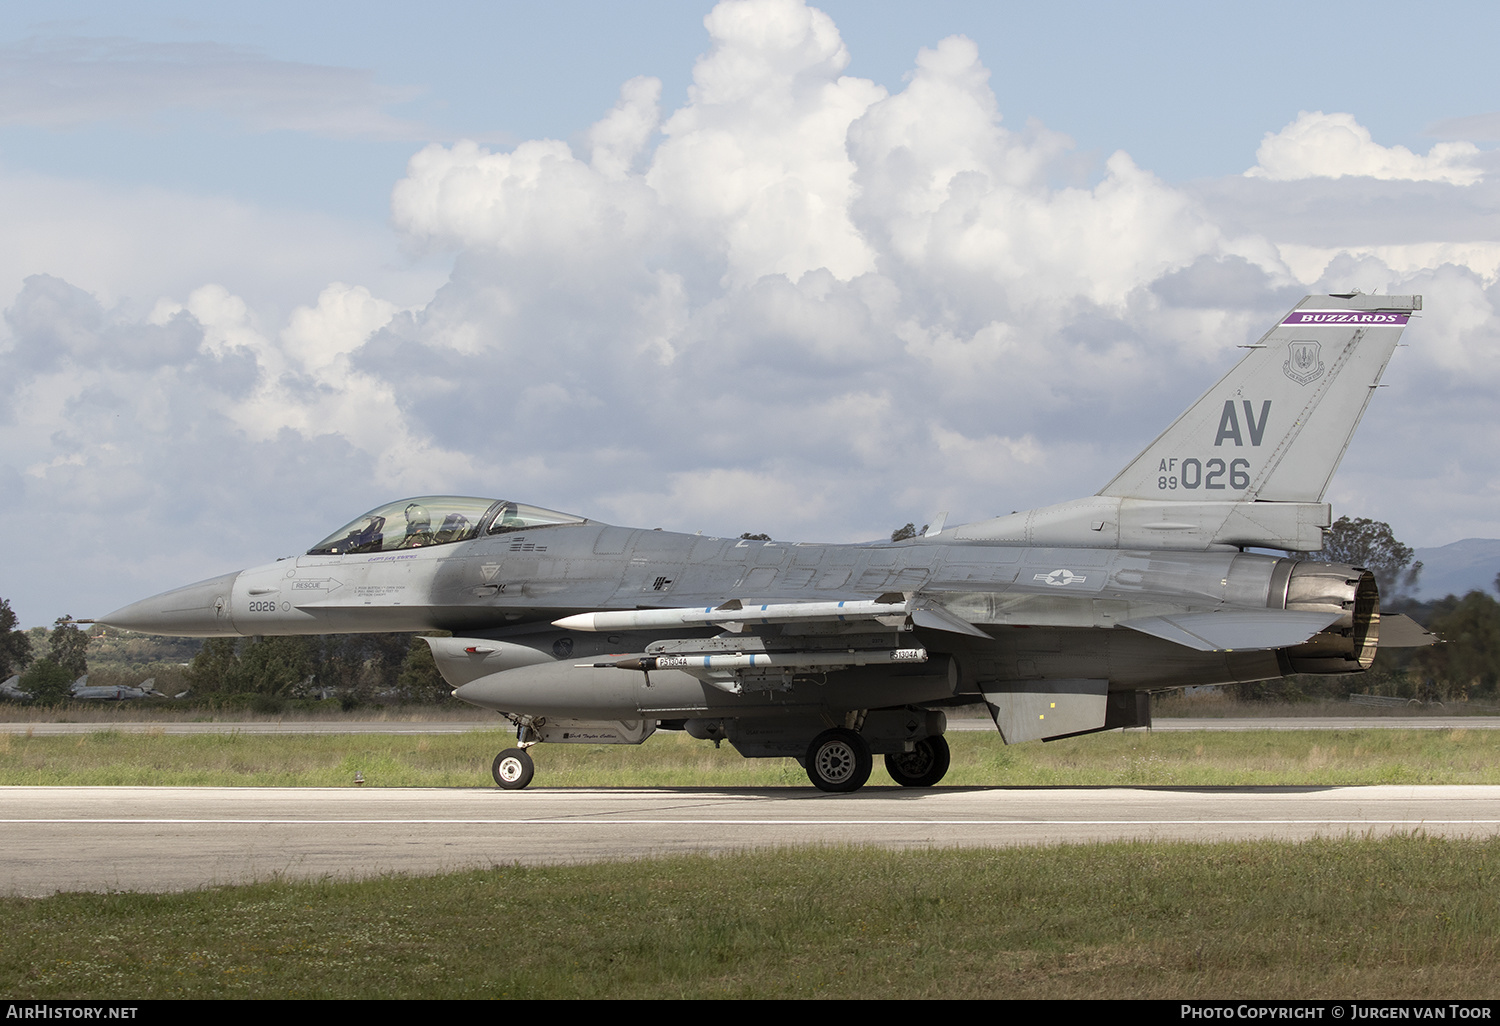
(109, 757)
(1402, 917)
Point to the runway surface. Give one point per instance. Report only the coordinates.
(465, 726)
(164, 839)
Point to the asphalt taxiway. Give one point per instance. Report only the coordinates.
(163, 839)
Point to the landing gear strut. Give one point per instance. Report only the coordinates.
(839, 760)
(513, 769)
(923, 766)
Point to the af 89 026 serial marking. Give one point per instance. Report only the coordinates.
(1210, 474)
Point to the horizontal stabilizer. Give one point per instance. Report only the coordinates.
(1397, 630)
(1241, 630)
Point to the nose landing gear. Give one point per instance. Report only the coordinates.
(513, 769)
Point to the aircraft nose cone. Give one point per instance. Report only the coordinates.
(198, 610)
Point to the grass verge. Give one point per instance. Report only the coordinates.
(462, 760)
(1405, 917)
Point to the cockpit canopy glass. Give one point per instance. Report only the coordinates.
(434, 520)
(517, 516)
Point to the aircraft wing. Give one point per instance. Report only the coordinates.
(1237, 630)
(1218, 631)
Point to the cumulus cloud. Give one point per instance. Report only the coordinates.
(813, 281)
(752, 174)
(965, 204)
(61, 82)
(797, 303)
(189, 438)
(1319, 145)
(620, 138)
(796, 242)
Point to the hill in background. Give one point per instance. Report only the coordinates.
(1459, 568)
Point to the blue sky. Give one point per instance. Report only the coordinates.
(1187, 88)
(274, 265)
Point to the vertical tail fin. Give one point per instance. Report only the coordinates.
(1276, 426)
(1249, 462)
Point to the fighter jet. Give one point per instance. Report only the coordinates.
(82, 690)
(1062, 621)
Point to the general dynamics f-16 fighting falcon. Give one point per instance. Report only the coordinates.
(1063, 620)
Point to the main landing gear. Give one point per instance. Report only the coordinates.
(923, 766)
(513, 769)
(839, 760)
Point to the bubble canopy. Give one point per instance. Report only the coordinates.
(435, 520)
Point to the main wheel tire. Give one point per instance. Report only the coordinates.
(513, 769)
(923, 766)
(839, 760)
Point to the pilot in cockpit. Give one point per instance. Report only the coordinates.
(418, 526)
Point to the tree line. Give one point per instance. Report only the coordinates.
(353, 668)
(47, 675)
(350, 668)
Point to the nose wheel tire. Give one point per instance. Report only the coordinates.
(513, 769)
(839, 760)
(923, 766)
